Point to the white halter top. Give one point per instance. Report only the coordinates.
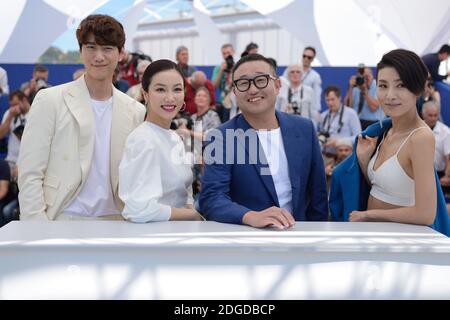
(390, 183)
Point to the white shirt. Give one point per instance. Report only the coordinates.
(4, 82)
(272, 144)
(303, 98)
(13, 140)
(96, 197)
(442, 136)
(312, 79)
(154, 174)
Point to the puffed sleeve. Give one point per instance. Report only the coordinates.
(140, 185)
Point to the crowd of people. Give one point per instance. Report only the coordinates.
(142, 140)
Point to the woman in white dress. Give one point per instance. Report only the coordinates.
(155, 174)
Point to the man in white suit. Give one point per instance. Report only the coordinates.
(75, 134)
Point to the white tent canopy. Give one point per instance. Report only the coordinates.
(343, 32)
(30, 28)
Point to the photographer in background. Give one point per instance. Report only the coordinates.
(38, 81)
(433, 62)
(429, 94)
(13, 124)
(361, 97)
(297, 98)
(221, 79)
(344, 148)
(182, 57)
(128, 66)
(337, 122)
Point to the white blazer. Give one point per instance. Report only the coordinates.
(58, 144)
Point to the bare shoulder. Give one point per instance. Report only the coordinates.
(423, 137)
(422, 142)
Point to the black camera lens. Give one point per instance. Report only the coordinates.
(359, 80)
(230, 62)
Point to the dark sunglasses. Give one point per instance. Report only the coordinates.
(307, 57)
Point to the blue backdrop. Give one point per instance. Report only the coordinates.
(61, 73)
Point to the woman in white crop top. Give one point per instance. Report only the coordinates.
(155, 178)
(401, 170)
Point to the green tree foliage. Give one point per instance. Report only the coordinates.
(56, 55)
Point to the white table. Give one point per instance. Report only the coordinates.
(208, 260)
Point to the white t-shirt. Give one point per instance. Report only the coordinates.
(13, 141)
(272, 144)
(96, 197)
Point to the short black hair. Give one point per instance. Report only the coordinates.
(410, 67)
(445, 49)
(17, 93)
(334, 89)
(312, 49)
(274, 62)
(40, 68)
(251, 46)
(157, 67)
(254, 57)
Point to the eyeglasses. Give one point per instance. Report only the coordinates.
(260, 82)
(307, 57)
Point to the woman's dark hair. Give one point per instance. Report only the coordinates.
(157, 67)
(410, 67)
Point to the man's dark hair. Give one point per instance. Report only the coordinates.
(157, 67)
(17, 93)
(445, 49)
(334, 89)
(106, 31)
(409, 66)
(254, 57)
(274, 62)
(312, 49)
(251, 46)
(40, 68)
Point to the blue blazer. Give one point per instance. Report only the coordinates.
(350, 190)
(231, 190)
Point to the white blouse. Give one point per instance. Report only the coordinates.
(154, 174)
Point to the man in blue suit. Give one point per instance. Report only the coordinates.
(263, 167)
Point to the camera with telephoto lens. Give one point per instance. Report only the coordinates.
(360, 80)
(230, 63)
(323, 137)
